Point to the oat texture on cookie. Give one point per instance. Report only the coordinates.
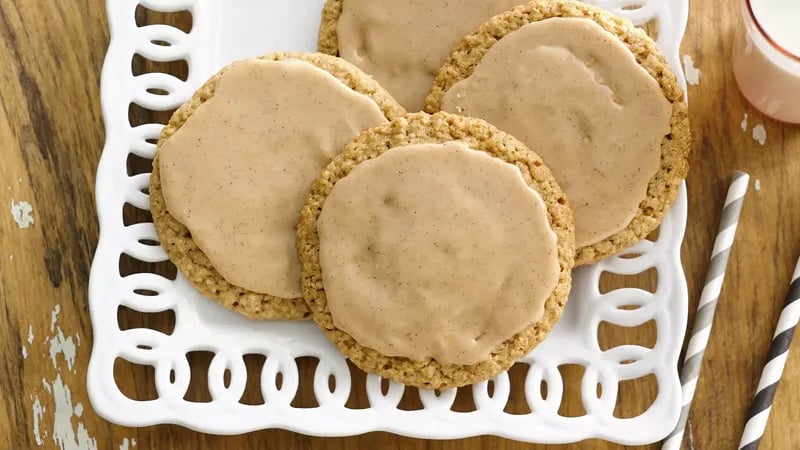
(236, 161)
(602, 108)
(404, 136)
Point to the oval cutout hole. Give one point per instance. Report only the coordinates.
(410, 400)
(610, 335)
(331, 383)
(132, 215)
(136, 165)
(129, 319)
(145, 292)
(630, 307)
(139, 115)
(357, 399)
(464, 401)
(304, 397)
(384, 386)
(517, 403)
(135, 381)
(181, 20)
(572, 402)
(647, 280)
(635, 396)
(226, 378)
(199, 362)
(252, 395)
(141, 65)
(157, 91)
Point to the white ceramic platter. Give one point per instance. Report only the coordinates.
(225, 30)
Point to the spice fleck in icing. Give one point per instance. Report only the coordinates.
(238, 171)
(436, 251)
(403, 43)
(575, 95)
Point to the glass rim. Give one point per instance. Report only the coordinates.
(769, 38)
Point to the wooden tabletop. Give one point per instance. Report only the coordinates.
(51, 134)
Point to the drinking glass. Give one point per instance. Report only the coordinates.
(766, 59)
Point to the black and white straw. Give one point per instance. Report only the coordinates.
(773, 369)
(708, 302)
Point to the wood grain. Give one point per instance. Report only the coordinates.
(51, 134)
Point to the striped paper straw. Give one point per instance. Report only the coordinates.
(773, 370)
(708, 302)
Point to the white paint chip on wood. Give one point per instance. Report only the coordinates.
(24, 352)
(68, 430)
(54, 317)
(744, 122)
(757, 185)
(64, 433)
(760, 134)
(22, 213)
(693, 74)
(64, 345)
(38, 413)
